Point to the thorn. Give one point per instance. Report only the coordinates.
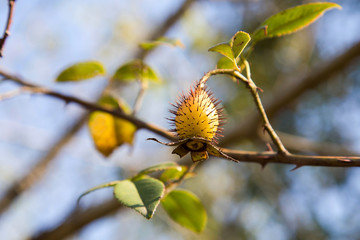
(265, 30)
(269, 148)
(259, 89)
(263, 165)
(264, 130)
(296, 167)
(345, 160)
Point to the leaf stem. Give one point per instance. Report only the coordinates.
(140, 97)
(105, 185)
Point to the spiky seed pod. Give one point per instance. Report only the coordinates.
(197, 123)
(197, 114)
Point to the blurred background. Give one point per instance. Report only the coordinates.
(243, 201)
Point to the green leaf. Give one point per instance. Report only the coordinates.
(291, 20)
(159, 167)
(105, 185)
(135, 70)
(238, 42)
(174, 174)
(141, 195)
(186, 209)
(162, 41)
(224, 49)
(81, 71)
(225, 63)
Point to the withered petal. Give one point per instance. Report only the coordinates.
(216, 151)
(164, 143)
(199, 156)
(181, 151)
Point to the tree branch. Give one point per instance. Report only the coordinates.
(7, 28)
(37, 172)
(257, 157)
(304, 145)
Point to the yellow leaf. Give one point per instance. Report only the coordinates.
(109, 132)
(102, 130)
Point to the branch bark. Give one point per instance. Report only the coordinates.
(7, 28)
(256, 157)
(38, 171)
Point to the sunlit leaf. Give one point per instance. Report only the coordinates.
(224, 49)
(291, 20)
(125, 130)
(162, 41)
(160, 167)
(174, 174)
(238, 42)
(135, 70)
(225, 63)
(141, 195)
(81, 71)
(186, 209)
(107, 131)
(103, 132)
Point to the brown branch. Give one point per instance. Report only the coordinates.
(281, 157)
(288, 93)
(7, 28)
(304, 145)
(264, 158)
(38, 171)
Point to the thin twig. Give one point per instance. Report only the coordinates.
(214, 72)
(11, 94)
(7, 28)
(140, 97)
(254, 91)
(304, 145)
